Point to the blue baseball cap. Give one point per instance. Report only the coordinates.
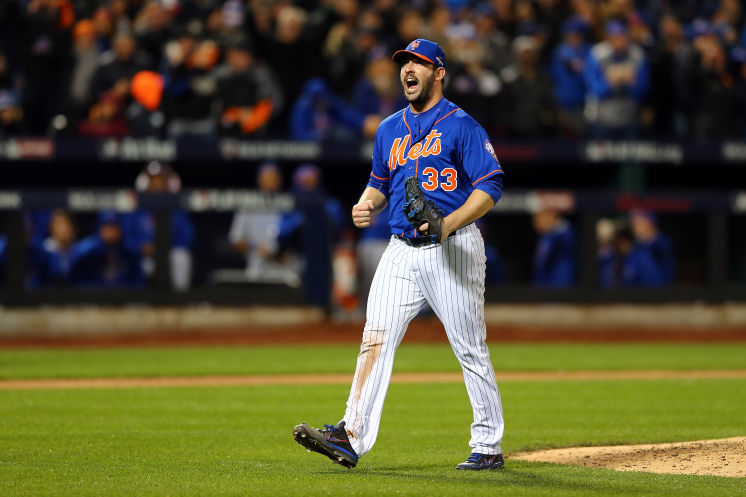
(425, 50)
(616, 27)
(576, 24)
(109, 217)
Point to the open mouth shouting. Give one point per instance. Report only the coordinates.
(411, 85)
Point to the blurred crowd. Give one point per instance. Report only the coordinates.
(632, 252)
(119, 250)
(321, 69)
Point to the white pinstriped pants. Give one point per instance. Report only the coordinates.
(450, 277)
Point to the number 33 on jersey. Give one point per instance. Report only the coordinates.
(445, 148)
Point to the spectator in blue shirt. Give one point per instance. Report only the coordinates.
(103, 260)
(51, 258)
(556, 252)
(647, 237)
(319, 114)
(617, 79)
(568, 66)
(307, 184)
(630, 264)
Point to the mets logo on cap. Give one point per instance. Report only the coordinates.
(423, 49)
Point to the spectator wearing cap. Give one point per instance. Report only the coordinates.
(617, 80)
(568, 66)
(307, 184)
(555, 257)
(629, 264)
(248, 95)
(527, 101)
(644, 227)
(103, 260)
(138, 227)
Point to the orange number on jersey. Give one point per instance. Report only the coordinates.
(450, 183)
(432, 179)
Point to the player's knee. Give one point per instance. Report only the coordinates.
(374, 336)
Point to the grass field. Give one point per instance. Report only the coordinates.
(220, 441)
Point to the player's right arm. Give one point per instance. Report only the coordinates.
(374, 198)
(371, 202)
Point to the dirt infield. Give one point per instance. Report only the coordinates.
(336, 379)
(421, 330)
(722, 457)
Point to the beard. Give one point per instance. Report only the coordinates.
(423, 93)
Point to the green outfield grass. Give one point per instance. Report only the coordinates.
(162, 361)
(226, 441)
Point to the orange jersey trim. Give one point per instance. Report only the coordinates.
(382, 179)
(486, 175)
(404, 118)
(454, 110)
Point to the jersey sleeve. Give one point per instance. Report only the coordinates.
(380, 176)
(480, 161)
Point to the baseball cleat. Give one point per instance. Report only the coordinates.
(332, 442)
(478, 461)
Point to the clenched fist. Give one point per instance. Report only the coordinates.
(362, 213)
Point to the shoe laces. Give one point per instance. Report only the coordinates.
(475, 457)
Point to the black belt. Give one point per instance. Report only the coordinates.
(416, 242)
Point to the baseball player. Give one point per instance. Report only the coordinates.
(435, 167)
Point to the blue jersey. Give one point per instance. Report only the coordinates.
(445, 148)
(554, 259)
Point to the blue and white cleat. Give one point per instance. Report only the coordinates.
(478, 461)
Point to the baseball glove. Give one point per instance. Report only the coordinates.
(420, 210)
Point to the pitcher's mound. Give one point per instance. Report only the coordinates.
(722, 457)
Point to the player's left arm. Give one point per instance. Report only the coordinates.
(477, 205)
(480, 162)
